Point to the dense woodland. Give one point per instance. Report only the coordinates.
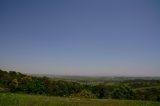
(16, 82)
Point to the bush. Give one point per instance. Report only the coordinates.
(13, 85)
(2, 90)
(123, 92)
(85, 94)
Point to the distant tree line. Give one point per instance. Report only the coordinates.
(17, 82)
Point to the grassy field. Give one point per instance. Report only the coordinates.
(8, 99)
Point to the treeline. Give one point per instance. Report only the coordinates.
(17, 82)
(139, 83)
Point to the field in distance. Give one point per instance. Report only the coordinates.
(9, 99)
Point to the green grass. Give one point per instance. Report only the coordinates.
(8, 99)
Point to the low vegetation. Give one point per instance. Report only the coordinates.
(8, 99)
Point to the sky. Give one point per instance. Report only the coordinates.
(80, 37)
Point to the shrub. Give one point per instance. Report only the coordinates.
(86, 94)
(13, 85)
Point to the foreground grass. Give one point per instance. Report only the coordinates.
(8, 99)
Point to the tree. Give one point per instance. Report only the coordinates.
(123, 92)
(86, 94)
(100, 91)
(13, 85)
(158, 98)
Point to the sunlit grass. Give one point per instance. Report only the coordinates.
(8, 99)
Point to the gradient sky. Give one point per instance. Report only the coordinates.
(80, 37)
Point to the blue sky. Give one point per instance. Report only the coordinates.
(80, 37)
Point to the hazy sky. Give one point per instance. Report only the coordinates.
(80, 37)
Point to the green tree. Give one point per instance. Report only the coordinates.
(123, 92)
(13, 85)
(86, 94)
(100, 91)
